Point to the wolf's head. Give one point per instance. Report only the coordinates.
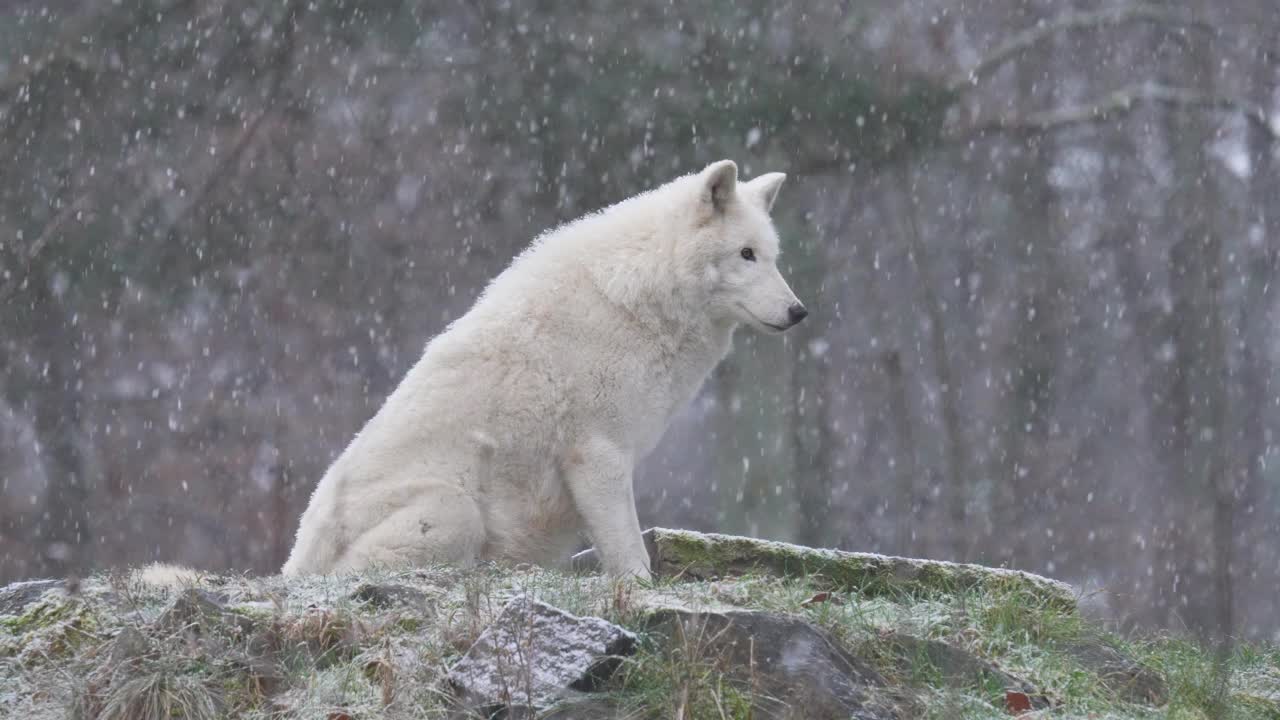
(733, 254)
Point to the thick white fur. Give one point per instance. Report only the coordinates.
(520, 425)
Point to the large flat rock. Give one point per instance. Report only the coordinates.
(684, 553)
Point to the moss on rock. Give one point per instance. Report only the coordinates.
(706, 555)
(48, 628)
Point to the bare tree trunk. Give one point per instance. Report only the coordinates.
(956, 473)
(1251, 390)
(913, 533)
(1192, 405)
(812, 444)
(63, 530)
(1220, 482)
(1199, 394)
(905, 460)
(1034, 351)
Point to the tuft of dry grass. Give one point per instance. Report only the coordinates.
(161, 695)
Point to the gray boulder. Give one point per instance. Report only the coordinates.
(957, 667)
(1122, 675)
(788, 668)
(533, 656)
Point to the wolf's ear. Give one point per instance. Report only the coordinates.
(764, 189)
(719, 182)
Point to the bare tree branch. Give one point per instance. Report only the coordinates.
(1119, 101)
(1122, 101)
(64, 215)
(958, 460)
(100, 20)
(279, 63)
(1072, 21)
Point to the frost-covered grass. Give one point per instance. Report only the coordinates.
(1017, 632)
(319, 648)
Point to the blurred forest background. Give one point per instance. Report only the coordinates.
(1039, 240)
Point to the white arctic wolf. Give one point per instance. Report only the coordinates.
(521, 424)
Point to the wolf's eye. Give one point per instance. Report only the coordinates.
(748, 254)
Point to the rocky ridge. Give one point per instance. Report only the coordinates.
(730, 627)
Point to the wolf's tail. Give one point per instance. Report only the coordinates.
(166, 575)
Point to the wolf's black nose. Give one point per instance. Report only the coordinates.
(797, 313)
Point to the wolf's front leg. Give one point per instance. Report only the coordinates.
(598, 474)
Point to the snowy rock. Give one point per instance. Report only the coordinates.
(15, 598)
(533, 655)
(383, 595)
(1122, 675)
(786, 667)
(200, 614)
(127, 647)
